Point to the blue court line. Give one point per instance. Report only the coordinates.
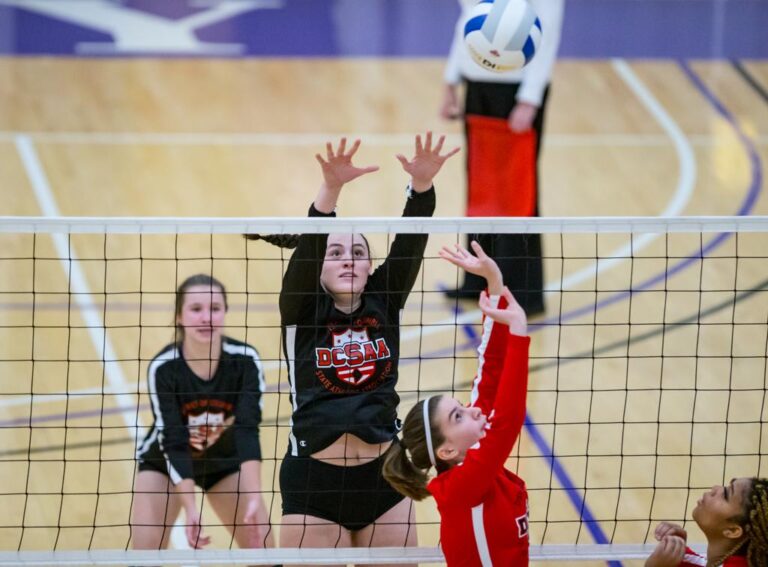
(746, 207)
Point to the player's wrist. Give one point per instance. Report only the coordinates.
(420, 185)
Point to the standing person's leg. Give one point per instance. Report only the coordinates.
(520, 255)
(395, 528)
(230, 505)
(155, 509)
(310, 511)
(495, 100)
(390, 520)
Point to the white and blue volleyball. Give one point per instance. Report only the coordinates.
(502, 35)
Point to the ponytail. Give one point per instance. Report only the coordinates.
(406, 465)
(403, 475)
(280, 240)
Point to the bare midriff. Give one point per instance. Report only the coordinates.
(349, 450)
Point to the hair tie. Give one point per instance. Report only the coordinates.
(428, 432)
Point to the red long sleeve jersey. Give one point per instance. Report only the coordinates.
(483, 506)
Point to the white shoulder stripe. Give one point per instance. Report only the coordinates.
(248, 350)
(487, 327)
(290, 360)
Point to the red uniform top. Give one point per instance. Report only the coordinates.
(693, 559)
(483, 506)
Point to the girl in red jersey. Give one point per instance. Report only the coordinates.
(734, 519)
(483, 506)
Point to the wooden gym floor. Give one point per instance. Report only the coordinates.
(217, 138)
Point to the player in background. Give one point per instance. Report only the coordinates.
(205, 389)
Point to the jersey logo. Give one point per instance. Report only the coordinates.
(353, 355)
(522, 523)
(206, 428)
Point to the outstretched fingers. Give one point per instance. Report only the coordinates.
(478, 250)
(456, 255)
(451, 153)
(355, 145)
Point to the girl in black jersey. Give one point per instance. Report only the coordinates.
(341, 337)
(205, 391)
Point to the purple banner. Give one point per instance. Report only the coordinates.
(360, 28)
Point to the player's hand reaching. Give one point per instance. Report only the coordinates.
(512, 315)
(481, 264)
(337, 166)
(426, 162)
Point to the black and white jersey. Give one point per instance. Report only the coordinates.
(214, 420)
(342, 367)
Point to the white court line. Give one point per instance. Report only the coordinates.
(686, 180)
(369, 139)
(82, 294)
(78, 283)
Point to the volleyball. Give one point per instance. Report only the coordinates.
(502, 35)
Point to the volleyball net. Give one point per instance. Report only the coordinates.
(647, 373)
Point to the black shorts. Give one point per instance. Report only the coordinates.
(206, 473)
(353, 497)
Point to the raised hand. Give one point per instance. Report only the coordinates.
(481, 265)
(512, 315)
(337, 166)
(426, 162)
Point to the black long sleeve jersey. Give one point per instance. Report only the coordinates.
(342, 367)
(215, 421)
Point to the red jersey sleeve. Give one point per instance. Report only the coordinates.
(468, 483)
(692, 559)
(490, 360)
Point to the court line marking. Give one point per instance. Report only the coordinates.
(686, 180)
(319, 139)
(78, 283)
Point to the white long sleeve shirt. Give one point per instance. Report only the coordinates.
(534, 77)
